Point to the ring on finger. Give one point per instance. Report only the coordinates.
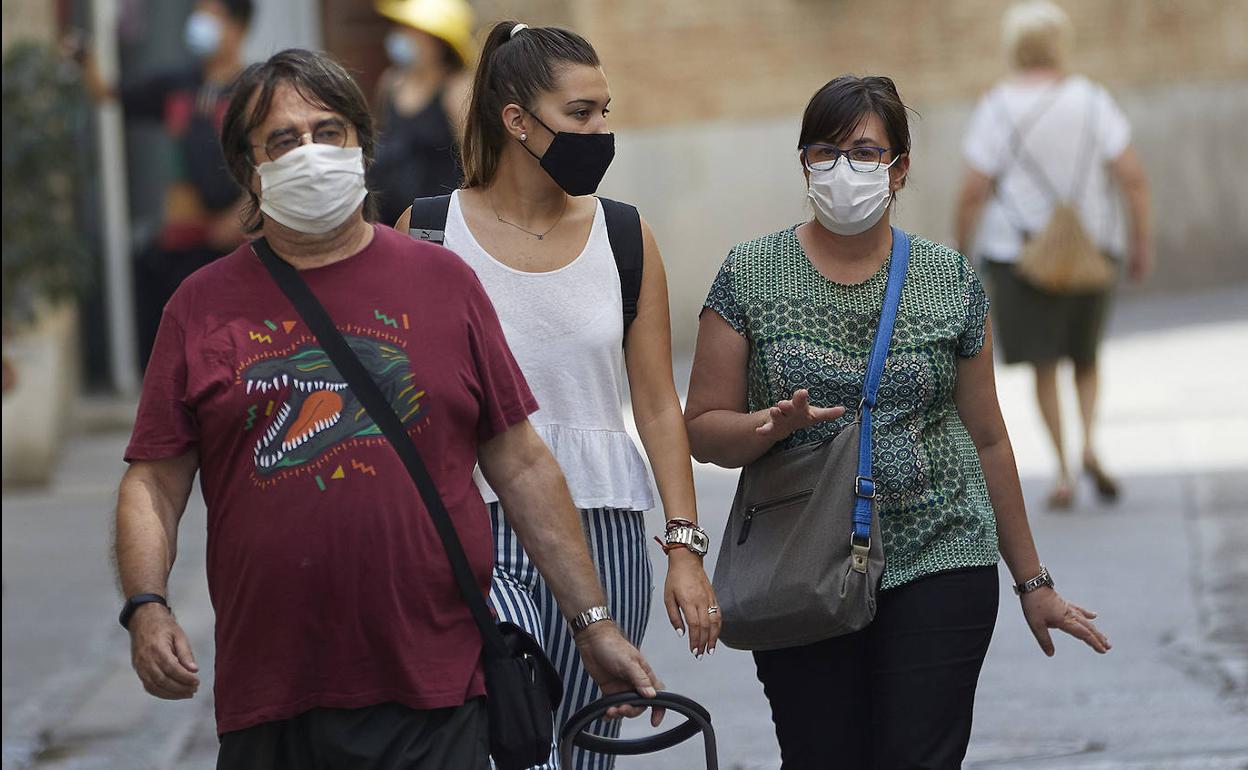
(714, 608)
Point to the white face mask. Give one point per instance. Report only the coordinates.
(314, 187)
(849, 202)
(401, 50)
(202, 34)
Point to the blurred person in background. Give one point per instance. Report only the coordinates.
(200, 221)
(1041, 141)
(783, 343)
(536, 146)
(421, 101)
(342, 640)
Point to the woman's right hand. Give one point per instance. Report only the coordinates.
(1139, 262)
(794, 414)
(1044, 608)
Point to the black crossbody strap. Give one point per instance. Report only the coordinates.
(624, 234)
(383, 414)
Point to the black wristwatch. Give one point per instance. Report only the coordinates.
(134, 602)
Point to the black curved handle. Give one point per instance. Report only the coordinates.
(697, 719)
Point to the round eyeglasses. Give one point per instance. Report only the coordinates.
(863, 158)
(330, 131)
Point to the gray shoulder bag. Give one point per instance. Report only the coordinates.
(801, 557)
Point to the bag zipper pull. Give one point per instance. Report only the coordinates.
(745, 524)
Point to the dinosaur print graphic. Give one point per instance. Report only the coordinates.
(317, 410)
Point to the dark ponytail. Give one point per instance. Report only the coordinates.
(513, 70)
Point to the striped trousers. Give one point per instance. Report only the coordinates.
(617, 545)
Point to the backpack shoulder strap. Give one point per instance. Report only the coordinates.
(428, 222)
(624, 233)
(1019, 132)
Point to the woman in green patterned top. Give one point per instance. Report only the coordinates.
(786, 345)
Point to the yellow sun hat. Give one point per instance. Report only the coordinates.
(448, 20)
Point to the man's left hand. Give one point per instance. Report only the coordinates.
(161, 654)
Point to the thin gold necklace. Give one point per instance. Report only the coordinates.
(540, 236)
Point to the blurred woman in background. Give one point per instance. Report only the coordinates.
(1041, 141)
(421, 101)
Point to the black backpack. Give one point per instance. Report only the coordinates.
(428, 223)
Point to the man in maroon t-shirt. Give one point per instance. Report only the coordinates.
(340, 631)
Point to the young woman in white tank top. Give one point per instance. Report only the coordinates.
(536, 145)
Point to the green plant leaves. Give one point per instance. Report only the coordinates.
(44, 254)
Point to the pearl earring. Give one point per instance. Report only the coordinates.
(524, 137)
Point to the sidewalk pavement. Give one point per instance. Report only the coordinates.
(1165, 567)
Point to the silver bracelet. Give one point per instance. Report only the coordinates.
(585, 619)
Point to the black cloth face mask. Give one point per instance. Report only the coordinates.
(577, 162)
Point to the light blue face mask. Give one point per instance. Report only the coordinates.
(401, 50)
(203, 34)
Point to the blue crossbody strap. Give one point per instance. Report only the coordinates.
(864, 485)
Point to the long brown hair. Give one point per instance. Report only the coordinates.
(513, 70)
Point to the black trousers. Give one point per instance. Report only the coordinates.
(897, 694)
(382, 737)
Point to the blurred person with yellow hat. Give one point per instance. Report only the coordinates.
(420, 100)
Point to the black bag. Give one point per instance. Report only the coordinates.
(522, 687)
(427, 222)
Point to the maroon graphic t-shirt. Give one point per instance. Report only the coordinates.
(330, 585)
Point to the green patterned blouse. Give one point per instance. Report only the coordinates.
(806, 331)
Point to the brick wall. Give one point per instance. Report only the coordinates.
(705, 60)
(698, 60)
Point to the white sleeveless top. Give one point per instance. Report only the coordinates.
(565, 328)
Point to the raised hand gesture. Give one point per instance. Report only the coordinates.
(794, 414)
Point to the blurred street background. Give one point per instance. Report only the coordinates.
(707, 97)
